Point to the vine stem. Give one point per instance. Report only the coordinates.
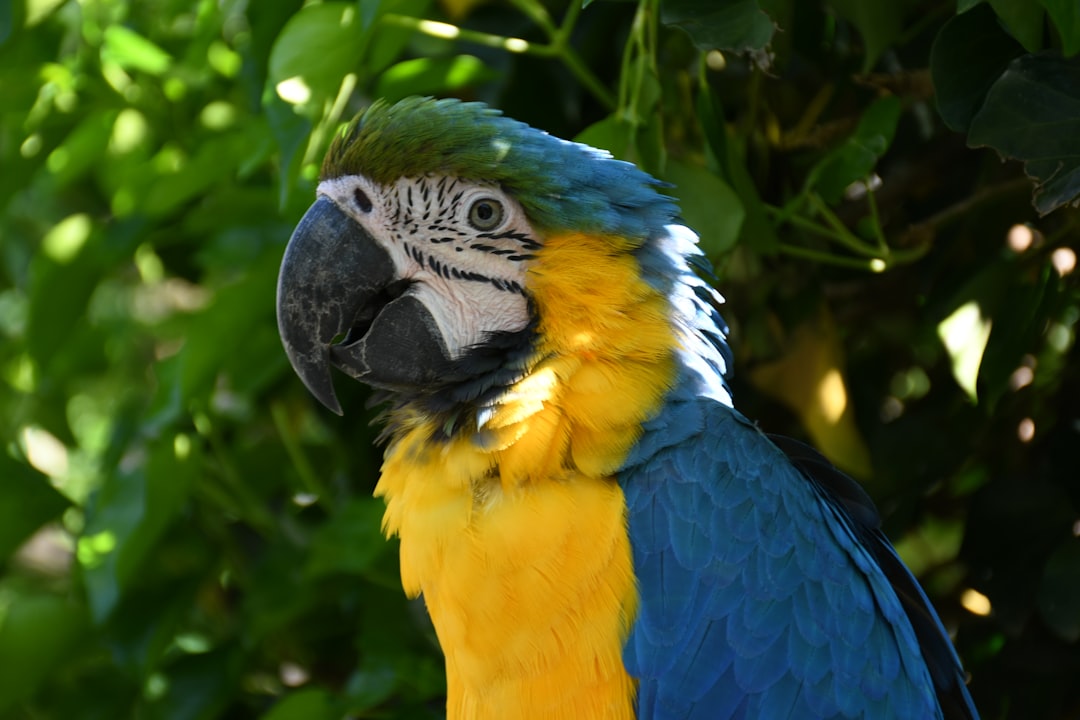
(800, 222)
(874, 265)
(875, 217)
(843, 235)
(558, 46)
(539, 15)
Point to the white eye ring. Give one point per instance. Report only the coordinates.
(486, 214)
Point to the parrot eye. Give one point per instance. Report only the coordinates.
(362, 200)
(486, 214)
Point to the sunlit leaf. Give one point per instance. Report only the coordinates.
(426, 76)
(132, 51)
(317, 47)
(964, 334)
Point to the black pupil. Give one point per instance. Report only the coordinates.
(362, 200)
(484, 211)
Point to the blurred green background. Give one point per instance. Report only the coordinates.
(184, 533)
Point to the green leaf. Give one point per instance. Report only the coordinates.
(1059, 591)
(1024, 20)
(132, 51)
(1032, 113)
(216, 159)
(279, 591)
(611, 134)
(291, 131)
(315, 50)
(879, 23)
(738, 25)
(309, 704)
(1065, 15)
(27, 501)
(968, 56)
(235, 310)
(1020, 304)
(709, 205)
(197, 687)
(372, 683)
(59, 294)
(210, 351)
(855, 159)
(127, 518)
(36, 633)
(756, 231)
(351, 541)
(429, 76)
(82, 149)
(963, 6)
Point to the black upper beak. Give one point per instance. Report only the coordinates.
(331, 271)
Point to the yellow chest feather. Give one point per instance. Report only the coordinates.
(516, 534)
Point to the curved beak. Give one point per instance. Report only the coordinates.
(331, 274)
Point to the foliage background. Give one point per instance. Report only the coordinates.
(185, 534)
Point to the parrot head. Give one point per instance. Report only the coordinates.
(412, 270)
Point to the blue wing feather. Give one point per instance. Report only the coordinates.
(762, 591)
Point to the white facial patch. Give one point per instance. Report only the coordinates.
(464, 246)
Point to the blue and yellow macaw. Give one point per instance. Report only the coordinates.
(596, 531)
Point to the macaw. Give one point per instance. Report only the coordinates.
(595, 530)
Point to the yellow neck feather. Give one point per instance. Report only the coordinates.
(516, 534)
